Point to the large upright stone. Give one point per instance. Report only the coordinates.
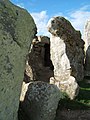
(17, 30)
(39, 66)
(87, 48)
(67, 50)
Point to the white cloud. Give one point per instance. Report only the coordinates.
(21, 5)
(79, 17)
(41, 19)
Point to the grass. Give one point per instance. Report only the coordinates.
(82, 101)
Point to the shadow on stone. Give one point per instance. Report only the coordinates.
(39, 66)
(87, 63)
(40, 102)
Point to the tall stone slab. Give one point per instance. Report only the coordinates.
(87, 48)
(39, 66)
(67, 51)
(17, 30)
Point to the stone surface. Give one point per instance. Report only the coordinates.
(39, 66)
(24, 90)
(73, 115)
(67, 51)
(87, 48)
(69, 86)
(40, 102)
(17, 29)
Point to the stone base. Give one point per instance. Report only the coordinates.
(87, 73)
(68, 86)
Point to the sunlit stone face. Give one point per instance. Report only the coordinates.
(56, 26)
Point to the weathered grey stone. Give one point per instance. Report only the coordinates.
(87, 48)
(68, 114)
(67, 50)
(39, 66)
(41, 101)
(17, 29)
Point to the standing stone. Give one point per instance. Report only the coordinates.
(40, 102)
(39, 66)
(87, 48)
(67, 50)
(17, 29)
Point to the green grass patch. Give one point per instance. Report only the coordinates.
(82, 101)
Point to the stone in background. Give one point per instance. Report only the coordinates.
(39, 66)
(67, 52)
(69, 86)
(87, 48)
(17, 30)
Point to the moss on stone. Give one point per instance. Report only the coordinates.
(17, 30)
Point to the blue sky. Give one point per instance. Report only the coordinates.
(76, 11)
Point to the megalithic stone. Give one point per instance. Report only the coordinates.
(17, 30)
(87, 48)
(67, 51)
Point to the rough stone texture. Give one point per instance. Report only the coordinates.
(39, 66)
(87, 48)
(40, 102)
(73, 115)
(68, 86)
(17, 29)
(67, 50)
